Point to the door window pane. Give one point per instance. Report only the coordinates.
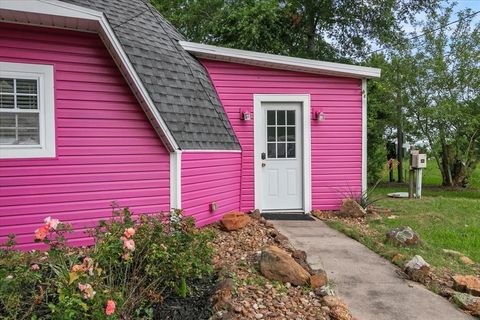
(271, 117)
(290, 150)
(280, 117)
(281, 134)
(281, 150)
(271, 134)
(291, 117)
(291, 134)
(272, 150)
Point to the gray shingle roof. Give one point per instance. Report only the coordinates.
(177, 83)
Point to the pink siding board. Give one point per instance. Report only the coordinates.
(336, 142)
(210, 177)
(106, 148)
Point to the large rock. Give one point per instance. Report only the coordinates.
(351, 208)
(276, 264)
(469, 284)
(417, 269)
(318, 280)
(234, 221)
(467, 302)
(403, 236)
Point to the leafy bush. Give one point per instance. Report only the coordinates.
(133, 265)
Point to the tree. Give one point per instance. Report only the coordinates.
(319, 29)
(445, 94)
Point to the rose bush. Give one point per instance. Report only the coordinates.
(133, 265)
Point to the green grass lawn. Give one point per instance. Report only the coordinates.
(444, 219)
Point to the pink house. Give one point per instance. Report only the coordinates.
(104, 101)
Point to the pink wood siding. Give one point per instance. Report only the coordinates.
(336, 142)
(210, 177)
(106, 148)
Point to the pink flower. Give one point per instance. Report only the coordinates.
(110, 309)
(51, 223)
(41, 233)
(129, 232)
(129, 244)
(35, 267)
(87, 290)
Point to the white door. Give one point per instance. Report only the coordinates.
(281, 156)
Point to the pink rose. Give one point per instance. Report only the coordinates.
(35, 267)
(41, 233)
(129, 232)
(51, 223)
(87, 290)
(110, 309)
(129, 245)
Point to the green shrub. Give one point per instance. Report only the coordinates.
(133, 265)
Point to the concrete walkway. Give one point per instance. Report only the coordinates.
(368, 283)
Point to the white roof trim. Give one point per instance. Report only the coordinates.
(279, 62)
(21, 12)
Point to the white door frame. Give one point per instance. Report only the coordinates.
(304, 99)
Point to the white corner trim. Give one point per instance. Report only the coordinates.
(278, 61)
(304, 99)
(176, 179)
(364, 135)
(46, 110)
(73, 13)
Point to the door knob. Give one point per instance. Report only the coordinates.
(263, 164)
(264, 156)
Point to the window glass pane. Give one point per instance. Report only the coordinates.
(291, 134)
(281, 150)
(280, 133)
(26, 86)
(271, 134)
(6, 85)
(27, 102)
(290, 150)
(28, 136)
(291, 117)
(7, 136)
(272, 150)
(28, 120)
(7, 120)
(280, 117)
(6, 101)
(271, 117)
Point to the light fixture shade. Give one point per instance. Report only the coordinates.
(320, 116)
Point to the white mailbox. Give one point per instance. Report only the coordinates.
(419, 161)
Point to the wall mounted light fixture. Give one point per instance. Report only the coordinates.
(319, 116)
(245, 115)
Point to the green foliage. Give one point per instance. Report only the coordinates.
(328, 30)
(134, 264)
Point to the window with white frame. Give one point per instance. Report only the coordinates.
(27, 121)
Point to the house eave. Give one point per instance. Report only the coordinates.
(266, 60)
(54, 13)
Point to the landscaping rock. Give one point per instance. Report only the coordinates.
(276, 264)
(234, 221)
(318, 280)
(255, 214)
(467, 302)
(417, 269)
(223, 294)
(403, 236)
(466, 260)
(351, 208)
(469, 284)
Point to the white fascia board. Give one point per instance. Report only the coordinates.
(278, 61)
(57, 8)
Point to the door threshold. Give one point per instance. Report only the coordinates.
(283, 211)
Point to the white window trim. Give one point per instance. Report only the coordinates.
(46, 106)
(304, 99)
